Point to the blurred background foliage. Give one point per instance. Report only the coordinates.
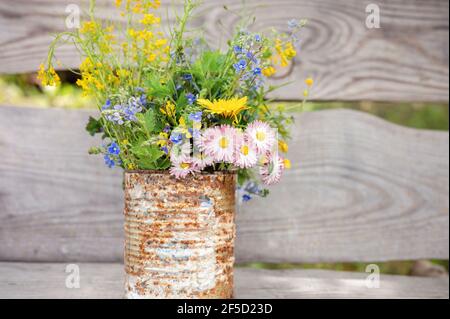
(23, 90)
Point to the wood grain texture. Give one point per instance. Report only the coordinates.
(47, 281)
(360, 189)
(406, 59)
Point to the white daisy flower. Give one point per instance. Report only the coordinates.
(262, 136)
(202, 160)
(182, 167)
(272, 169)
(245, 154)
(220, 142)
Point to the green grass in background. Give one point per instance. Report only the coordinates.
(392, 267)
(22, 90)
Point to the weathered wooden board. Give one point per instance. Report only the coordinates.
(45, 281)
(360, 189)
(406, 59)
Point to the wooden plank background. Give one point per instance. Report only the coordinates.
(361, 189)
(406, 59)
(104, 281)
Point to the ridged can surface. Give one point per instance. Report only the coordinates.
(179, 235)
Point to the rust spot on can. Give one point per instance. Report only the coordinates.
(179, 235)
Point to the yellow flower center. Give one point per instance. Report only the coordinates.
(260, 136)
(185, 165)
(245, 150)
(223, 142)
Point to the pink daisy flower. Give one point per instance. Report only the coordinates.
(272, 169)
(262, 136)
(201, 140)
(245, 152)
(182, 167)
(219, 143)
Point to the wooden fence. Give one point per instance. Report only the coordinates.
(405, 60)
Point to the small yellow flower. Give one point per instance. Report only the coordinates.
(287, 164)
(226, 108)
(118, 3)
(163, 139)
(150, 19)
(309, 82)
(269, 71)
(169, 110)
(290, 51)
(48, 77)
(283, 146)
(183, 128)
(305, 93)
(160, 43)
(88, 27)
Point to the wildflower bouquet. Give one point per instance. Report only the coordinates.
(168, 101)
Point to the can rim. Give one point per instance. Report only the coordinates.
(167, 172)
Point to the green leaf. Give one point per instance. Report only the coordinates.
(150, 121)
(147, 153)
(93, 126)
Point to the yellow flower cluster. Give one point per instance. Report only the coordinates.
(89, 27)
(169, 111)
(285, 52)
(48, 77)
(138, 6)
(91, 77)
(150, 19)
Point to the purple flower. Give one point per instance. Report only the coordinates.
(187, 77)
(109, 161)
(107, 105)
(240, 66)
(176, 138)
(237, 49)
(258, 38)
(196, 117)
(166, 129)
(143, 99)
(191, 98)
(165, 149)
(246, 197)
(257, 71)
(114, 149)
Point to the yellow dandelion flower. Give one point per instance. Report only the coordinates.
(226, 108)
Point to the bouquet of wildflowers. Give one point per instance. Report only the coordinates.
(168, 101)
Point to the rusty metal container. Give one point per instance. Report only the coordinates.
(179, 235)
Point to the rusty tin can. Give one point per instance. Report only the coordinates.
(179, 235)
